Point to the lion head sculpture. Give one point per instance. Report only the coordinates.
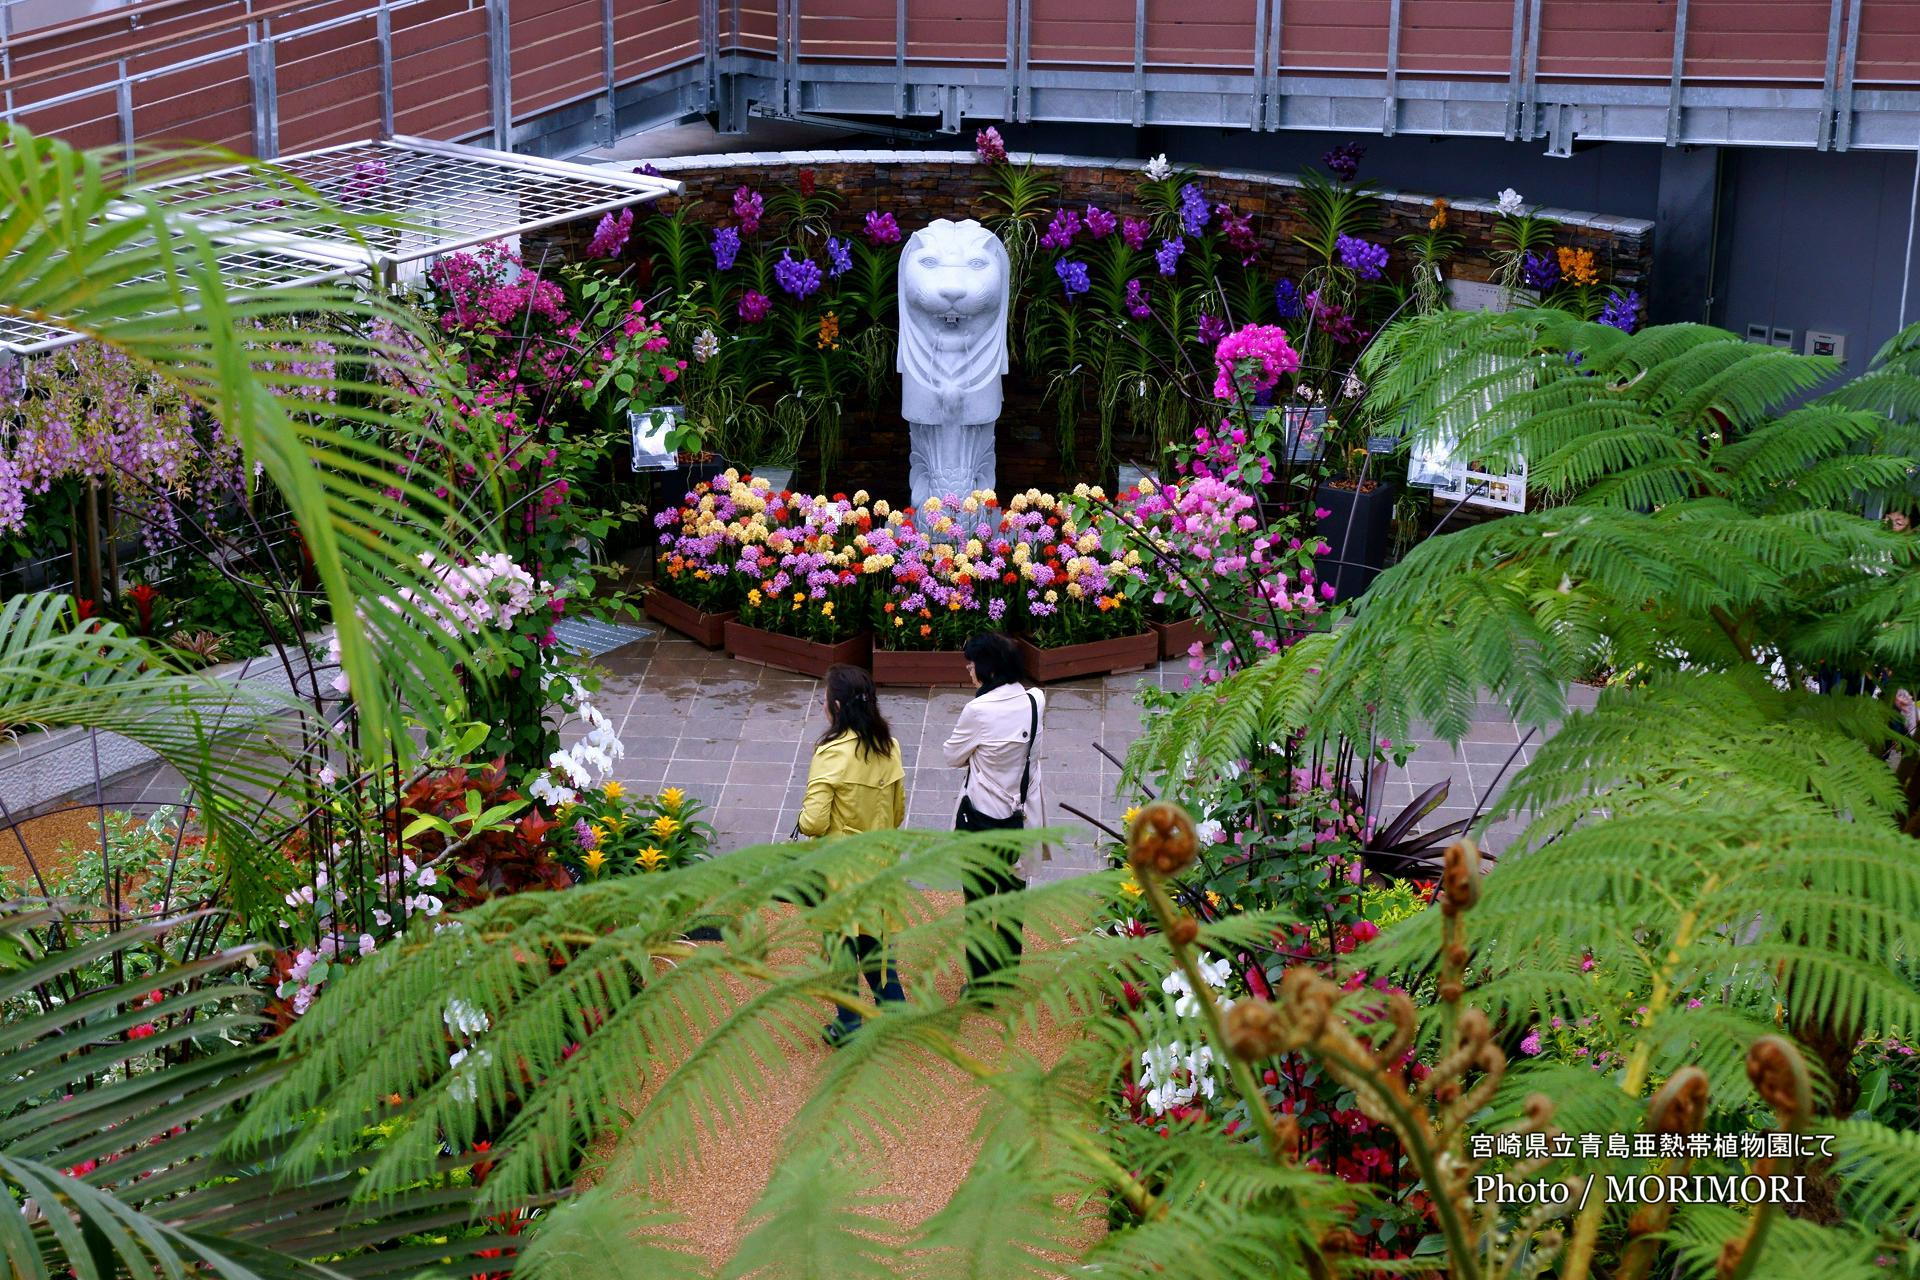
(953, 323)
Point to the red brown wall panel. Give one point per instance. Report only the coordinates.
(1342, 35)
(959, 31)
(440, 71)
(650, 36)
(90, 122)
(207, 104)
(558, 52)
(756, 26)
(1472, 37)
(1889, 43)
(1200, 33)
(329, 85)
(848, 29)
(1580, 39)
(1073, 32)
(1757, 39)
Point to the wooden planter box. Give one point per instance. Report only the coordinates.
(789, 653)
(701, 628)
(1099, 658)
(920, 666)
(1178, 637)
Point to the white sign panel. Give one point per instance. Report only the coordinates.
(650, 431)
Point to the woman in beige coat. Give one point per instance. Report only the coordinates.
(997, 741)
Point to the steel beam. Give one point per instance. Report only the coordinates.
(1678, 81)
(383, 38)
(1514, 66)
(609, 82)
(1258, 118)
(900, 58)
(1390, 109)
(500, 72)
(1829, 79)
(123, 108)
(1850, 61)
(1276, 54)
(1530, 84)
(261, 86)
(1139, 62)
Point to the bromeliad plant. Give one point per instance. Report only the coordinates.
(607, 831)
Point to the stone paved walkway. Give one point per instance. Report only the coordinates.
(738, 736)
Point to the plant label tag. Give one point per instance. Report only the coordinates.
(649, 431)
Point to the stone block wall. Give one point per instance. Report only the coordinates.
(919, 186)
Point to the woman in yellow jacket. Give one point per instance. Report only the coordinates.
(856, 783)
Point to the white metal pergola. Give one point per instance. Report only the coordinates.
(429, 198)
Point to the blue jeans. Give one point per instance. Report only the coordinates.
(869, 959)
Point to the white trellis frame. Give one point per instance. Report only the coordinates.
(423, 198)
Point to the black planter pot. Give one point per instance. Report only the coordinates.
(1358, 529)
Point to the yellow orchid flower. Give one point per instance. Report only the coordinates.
(672, 797)
(651, 859)
(664, 826)
(594, 861)
(613, 789)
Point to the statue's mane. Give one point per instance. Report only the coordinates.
(983, 361)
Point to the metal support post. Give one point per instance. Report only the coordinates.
(1678, 82)
(1390, 110)
(260, 83)
(500, 72)
(383, 36)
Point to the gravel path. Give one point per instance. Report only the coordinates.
(717, 1194)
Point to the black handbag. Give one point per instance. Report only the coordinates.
(968, 818)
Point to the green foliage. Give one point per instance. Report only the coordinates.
(1695, 530)
(134, 266)
(123, 1161)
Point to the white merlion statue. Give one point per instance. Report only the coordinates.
(953, 353)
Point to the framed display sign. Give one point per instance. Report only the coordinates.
(1456, 480)
(650, 431)
(1306, 431)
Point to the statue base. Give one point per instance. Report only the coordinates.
(949, 461)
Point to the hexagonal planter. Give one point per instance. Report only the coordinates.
(701, 628)
(1095, 658)
(920, 666)
(1178, 637)
(790, 653)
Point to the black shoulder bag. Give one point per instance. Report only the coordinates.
(971, 819)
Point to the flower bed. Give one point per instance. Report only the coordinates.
(942, 575)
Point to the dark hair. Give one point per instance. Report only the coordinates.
(853, 706)
(995, 660)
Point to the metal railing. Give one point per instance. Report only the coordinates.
(1839, 78)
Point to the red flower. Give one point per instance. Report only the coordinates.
(84, 608)
(143, 597)
(141, 1032)
(806, 182)
(1365, 931)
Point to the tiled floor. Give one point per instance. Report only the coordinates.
(738, 736)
